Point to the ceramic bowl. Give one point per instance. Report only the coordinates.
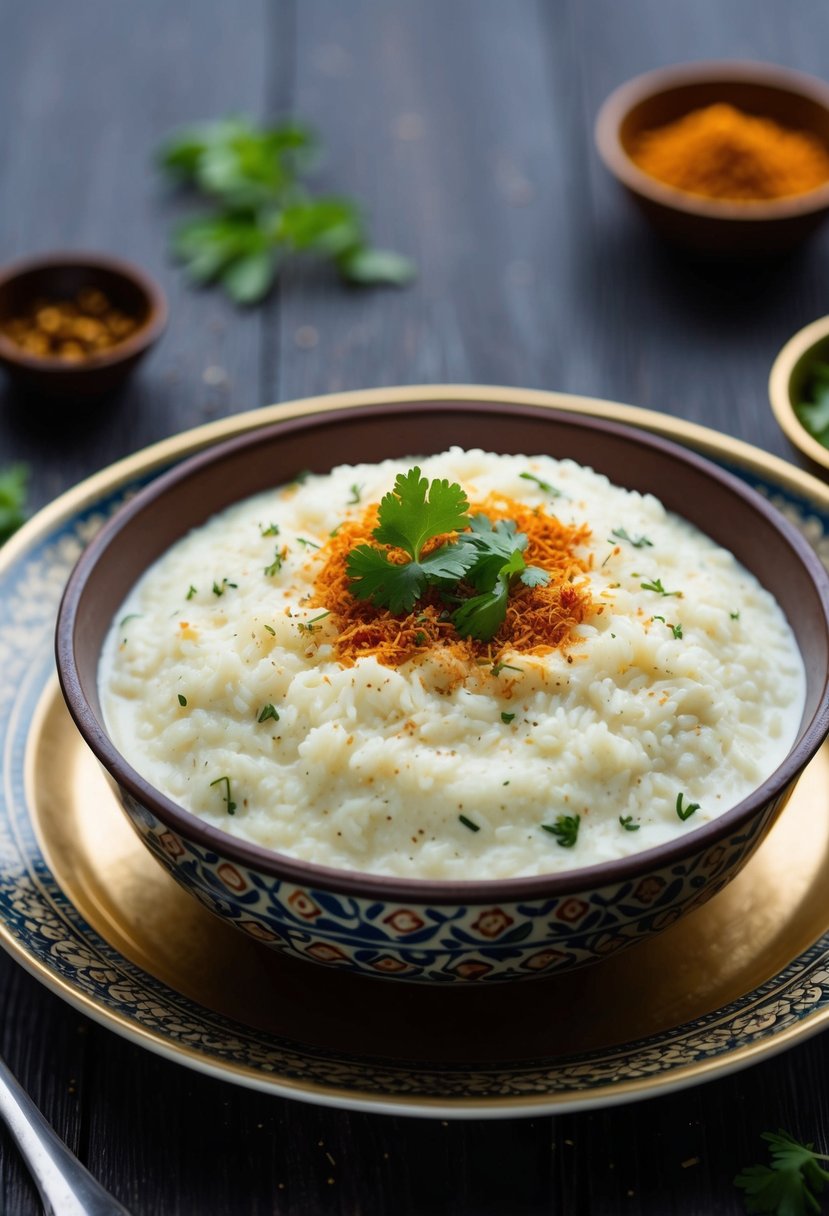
(715, 226)
(788, 382)
(439, 930)
(58, 276)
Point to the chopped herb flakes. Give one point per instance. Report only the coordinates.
(182, 700)
(467, 823)
(638, 542)
(230, 805)
(276, 564)
(628, 824)
(356, 491)
(542, 485)
(684, 807)
(676, 630)
(307, 544)
(565, 829)
(656, 585)
(497, 668)
(735, 616)
(268, 712)
(271, 530)
(191, 591)
(505, 717)
(220, 588)
(271, 630)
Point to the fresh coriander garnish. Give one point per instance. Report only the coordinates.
(791, 1184)
(565, 829)
(263, 212)
(13, 487)
(420, 638)
(813, 409)
(191, 591)
(356, 491)
(628, 824)
(307, 544)
(182, 700)
(735, 616)
(220, 588)
(542, 485)
(276, 564)
(684, 807)
(271, 630)
(467, 823)
(268, 712)
(271, 530)
(656, 585)
(230, 805)
(486, 557)
(505, 717)
(638, 542)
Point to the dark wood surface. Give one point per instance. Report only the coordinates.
(466, 128)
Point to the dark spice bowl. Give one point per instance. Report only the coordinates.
(61, 276)
(789, 384)
(708, 225)
(447, 931)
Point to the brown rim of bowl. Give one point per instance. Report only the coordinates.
(633, 92)
(780, 378)
(362, 883)
(148, 332)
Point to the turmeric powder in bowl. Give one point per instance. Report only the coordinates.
(721, 152)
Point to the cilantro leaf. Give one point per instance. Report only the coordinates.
(790, 1185)
(13, 482)
(261, 209)
(415, 511)
(483, 615)
(534, 576)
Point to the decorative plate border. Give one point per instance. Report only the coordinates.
(41, 928)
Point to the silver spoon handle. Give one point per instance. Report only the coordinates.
(66, 1187)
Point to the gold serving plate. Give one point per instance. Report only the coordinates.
(743, 937)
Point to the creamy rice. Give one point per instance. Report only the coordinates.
(384, 769)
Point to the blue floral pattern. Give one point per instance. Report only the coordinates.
(42, 928)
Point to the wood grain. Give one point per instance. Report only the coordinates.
(466, 129)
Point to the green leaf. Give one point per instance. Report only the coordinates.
(373, 577)
(483, 615)
(790, 1186)
(415, 511)
(534, 576)
(13, 486)
(565, 829)
(375, 266)
(814, 414)
(328, 225)
(250, 278)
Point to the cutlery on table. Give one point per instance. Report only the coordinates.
(66, 1187)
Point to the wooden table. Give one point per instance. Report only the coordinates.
(466, 129)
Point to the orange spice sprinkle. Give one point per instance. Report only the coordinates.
(538, 619)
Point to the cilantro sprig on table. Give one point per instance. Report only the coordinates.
(789, 1186)
(485, 557)
(263, 212)
(13, 486)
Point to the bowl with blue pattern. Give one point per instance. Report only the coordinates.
(412, 929)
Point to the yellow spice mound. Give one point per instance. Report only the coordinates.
(721, 152)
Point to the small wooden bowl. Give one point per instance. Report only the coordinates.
(61, 276)
(787, 381)
(708, 225)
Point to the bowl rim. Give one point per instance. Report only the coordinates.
(640, 88)
(797, 347)
(137, 342)
(391, 887)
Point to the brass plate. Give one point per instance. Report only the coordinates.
(773, 911)
(86, 909)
